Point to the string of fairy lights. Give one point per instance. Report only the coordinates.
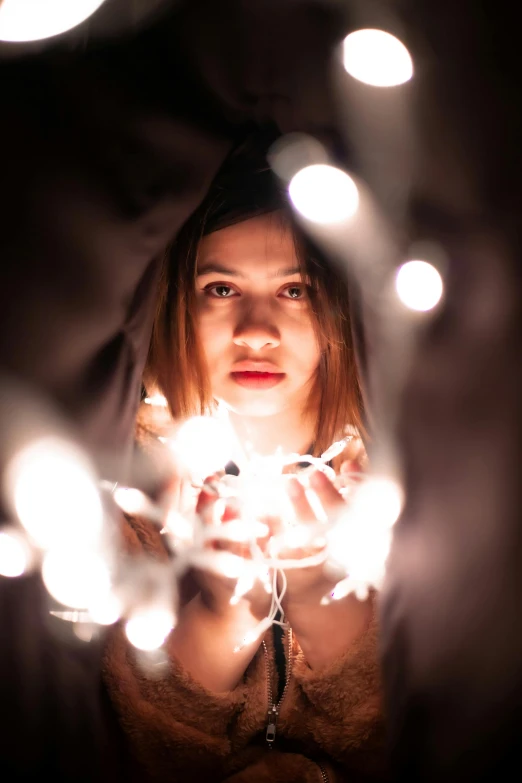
(62, 514)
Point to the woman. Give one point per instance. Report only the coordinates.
(250, 316)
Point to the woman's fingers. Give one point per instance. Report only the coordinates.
(303, 509)
(331, 499)
(350, 466)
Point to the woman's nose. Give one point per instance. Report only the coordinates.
(257, 332)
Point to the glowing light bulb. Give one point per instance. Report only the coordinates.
(14, 554)
(203, 444)
(105, 609)
(419, 285)
(54, 492)
(324, 194)
(295, 537)
(266, 496)
(132, 501)
(378, 499)
(179, 526)
(377, 58)
(344, 588)
(78, 578)
(220, 562)
(147, 629)
(34, 20)
(157, 400)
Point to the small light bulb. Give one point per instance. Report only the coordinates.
(105, 610)
(131, 501)
(380, 499)
(147, 629)
(377, 58)
(156, 400)
(203, 444)
(324, 194)
(77, 579)
(419, 285)
(54, 492)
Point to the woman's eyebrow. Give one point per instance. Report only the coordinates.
(214, 268)
(288, 272)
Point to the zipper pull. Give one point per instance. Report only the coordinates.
(271, 728)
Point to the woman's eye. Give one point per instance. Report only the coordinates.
(220, 291)
(294, 292)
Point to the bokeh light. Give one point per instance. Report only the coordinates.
(14, 554)
(54, 493)
(378, 498)
(203, 445)
(78, 578)
(131, 501)
(147, 629)
(324, 194)
(105, 609)
(34, 20)
(377, 58)
(419, 285)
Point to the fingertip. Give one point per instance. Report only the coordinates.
(295, 489)
(318, 479)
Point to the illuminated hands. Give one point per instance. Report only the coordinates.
(309, 584)
(236, 579)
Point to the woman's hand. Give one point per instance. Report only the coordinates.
(324, 632)
(218, 590)
(309, 584)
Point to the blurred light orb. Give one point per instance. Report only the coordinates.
(54, 493)
(203, 444)
(131, 501)
(377, 58)
(14, 554)
(78, 579)
(379, 499)
(419, 285)
(34, 20)
(105, 609)
(179, 526)
(147, 629)
(324, 194)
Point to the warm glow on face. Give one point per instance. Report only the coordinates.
(254, 321)
(377, 58)
(324, 194)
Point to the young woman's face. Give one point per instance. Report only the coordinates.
(254, 319)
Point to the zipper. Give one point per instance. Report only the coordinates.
(325, 778)
(273, 708)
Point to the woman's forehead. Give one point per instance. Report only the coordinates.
(264, 242)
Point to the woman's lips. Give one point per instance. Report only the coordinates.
(257, 380)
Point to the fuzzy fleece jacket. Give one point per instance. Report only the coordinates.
(179, 731)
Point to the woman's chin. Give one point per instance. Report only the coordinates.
(257, 406)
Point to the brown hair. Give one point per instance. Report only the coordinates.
(246, 188)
